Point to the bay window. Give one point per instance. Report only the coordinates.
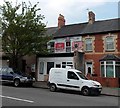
(110, 69)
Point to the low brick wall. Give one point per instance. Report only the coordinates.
(107, 82)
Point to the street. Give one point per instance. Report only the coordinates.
(29, 96)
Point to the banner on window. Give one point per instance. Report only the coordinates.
(77, 45)
(59, 46)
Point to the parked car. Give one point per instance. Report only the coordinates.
(72, 79)
(7, 74)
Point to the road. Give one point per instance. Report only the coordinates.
(29, 96)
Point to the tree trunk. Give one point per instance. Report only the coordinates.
(14, 62)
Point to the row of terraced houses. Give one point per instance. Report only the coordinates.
(92, 47)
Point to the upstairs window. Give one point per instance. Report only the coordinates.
(68, 46)
(110, 43)
(51, 46)
(88, 44)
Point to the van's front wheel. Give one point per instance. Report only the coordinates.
(85, 91)
(53, 87)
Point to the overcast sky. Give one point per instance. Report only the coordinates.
(74, 11)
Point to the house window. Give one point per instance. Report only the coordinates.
(41, 68)
(51, 46)
(110, 45)
(68, 46)
(64, 64)
(110, 69)
(117, 69)
(88, 44)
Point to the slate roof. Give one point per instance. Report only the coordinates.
(110, 57)
(51, 30)
(102, 26)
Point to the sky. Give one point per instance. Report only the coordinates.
(74, 11)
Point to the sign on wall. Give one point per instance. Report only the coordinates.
(59, 46)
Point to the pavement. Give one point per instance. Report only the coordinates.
(105, 90)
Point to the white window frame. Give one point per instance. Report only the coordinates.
(105, 68)
(107, 42)
(90, 43)
(88, 65)
(68, 47)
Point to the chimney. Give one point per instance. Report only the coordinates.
(61, 21)
(91, 16)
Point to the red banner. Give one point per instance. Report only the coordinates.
(59, 46)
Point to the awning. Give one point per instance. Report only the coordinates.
(110, 57)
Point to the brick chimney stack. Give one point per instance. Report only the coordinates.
(61, 21)
(91, 16)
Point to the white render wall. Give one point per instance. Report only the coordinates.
(56, 60)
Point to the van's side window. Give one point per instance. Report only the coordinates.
(72, 75)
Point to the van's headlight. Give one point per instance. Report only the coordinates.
(94, 84)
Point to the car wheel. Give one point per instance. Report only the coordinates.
(85, 91)
(16, 82)
(52, 87)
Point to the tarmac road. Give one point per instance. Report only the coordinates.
(29, 96)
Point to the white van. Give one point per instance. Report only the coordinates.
(72, 79)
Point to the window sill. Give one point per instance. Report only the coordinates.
(110, 50)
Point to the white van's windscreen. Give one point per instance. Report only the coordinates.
(81, 75)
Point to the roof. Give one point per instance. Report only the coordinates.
(51, 30)
(110, 57)
(102, 26)
(70, 30)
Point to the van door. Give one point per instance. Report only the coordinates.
(73, 81)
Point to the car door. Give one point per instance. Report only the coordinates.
(10, 74)
(0, 73)
(4, 73)
(72, 81)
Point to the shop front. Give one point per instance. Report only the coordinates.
(57, 61)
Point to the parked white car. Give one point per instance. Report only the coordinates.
(72, 79)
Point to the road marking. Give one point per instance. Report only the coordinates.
(17, 99)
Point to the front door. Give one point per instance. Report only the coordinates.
(89, 68)
(41, 71)
(49, 66)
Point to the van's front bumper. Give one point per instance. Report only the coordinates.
(95, 91)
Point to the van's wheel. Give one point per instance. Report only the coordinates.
(85, 91)
(16, 82)
(53, 87)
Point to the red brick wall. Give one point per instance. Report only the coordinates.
(97, 54)
(118, 42)
(98, 43)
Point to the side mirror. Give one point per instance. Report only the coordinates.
(11, 72)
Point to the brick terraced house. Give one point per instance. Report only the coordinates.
(92, 47)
